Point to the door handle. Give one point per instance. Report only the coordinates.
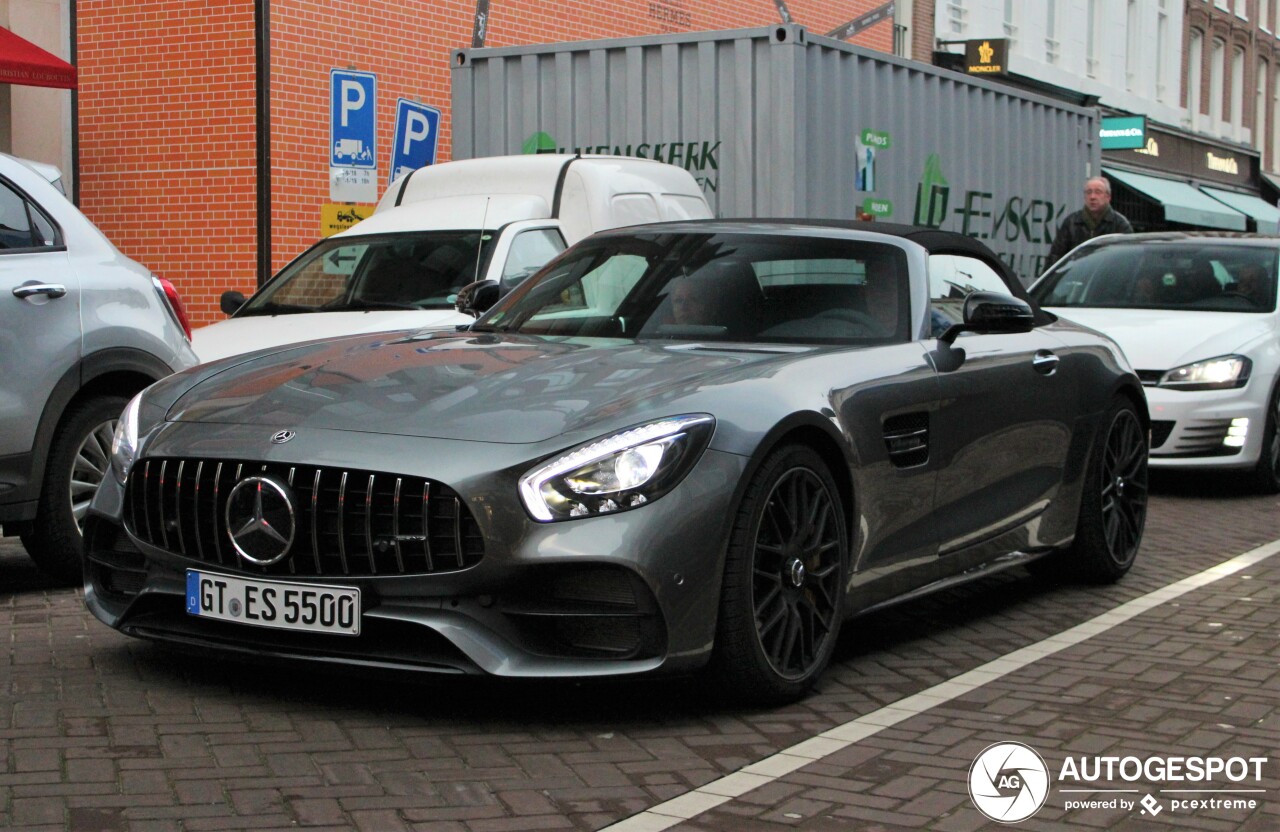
(1045, 363)
(49, 290)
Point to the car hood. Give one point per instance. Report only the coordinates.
(240, 335)
(492, 388)
(1160, 339)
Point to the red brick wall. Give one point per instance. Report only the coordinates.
(167, 141)
(166, 137)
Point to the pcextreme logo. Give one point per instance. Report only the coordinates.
(1008, 782)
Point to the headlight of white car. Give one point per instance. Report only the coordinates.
(124, 445)
(1222, 373)
(618, 472)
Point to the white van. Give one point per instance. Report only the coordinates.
(440, 228)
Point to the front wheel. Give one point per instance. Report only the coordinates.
(1113, 508)
(1266, 474)
(79, 459)
(782, 601)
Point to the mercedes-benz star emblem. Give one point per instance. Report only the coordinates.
(282, 436)
(260, 520)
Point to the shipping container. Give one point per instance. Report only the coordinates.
(778, 122)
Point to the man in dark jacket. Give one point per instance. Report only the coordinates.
(1095, 219)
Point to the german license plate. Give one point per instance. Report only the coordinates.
(284, 605)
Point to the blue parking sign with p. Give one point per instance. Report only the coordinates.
(353, 101)
(417, 128)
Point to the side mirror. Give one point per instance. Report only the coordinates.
(474, 299)
(989, 312)
(231, 301)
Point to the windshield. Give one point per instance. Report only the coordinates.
(420, 270)
(1204, 277)
(716, 287)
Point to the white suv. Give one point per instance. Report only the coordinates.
(82, 329)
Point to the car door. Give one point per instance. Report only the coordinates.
(1007, 405)
(40, 338)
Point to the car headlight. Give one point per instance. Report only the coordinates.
(124, 445)
(1223, 373)
(618, 472)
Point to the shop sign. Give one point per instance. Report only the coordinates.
(989, 56)
(1123, 132)
(1181, 155)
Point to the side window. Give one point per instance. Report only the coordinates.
(15, 226)
(46, 232)
(530, 251)
(952, 278)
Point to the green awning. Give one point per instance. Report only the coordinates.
(1181, 202)
(1266, 216)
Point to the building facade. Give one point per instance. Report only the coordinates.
(1194, 78)
(36, 122)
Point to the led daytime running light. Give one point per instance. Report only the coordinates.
(531, 484)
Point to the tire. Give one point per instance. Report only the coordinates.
(1113, 506)
(1266, 474)
(79, 459)
(781, 604)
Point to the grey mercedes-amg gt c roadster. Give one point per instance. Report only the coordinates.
(678, 447)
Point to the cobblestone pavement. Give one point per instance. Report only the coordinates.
(100, 733)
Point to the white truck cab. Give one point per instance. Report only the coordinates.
(439, 228)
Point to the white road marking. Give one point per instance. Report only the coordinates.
(705, 798)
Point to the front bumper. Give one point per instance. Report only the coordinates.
(632, 592)
(1202, 429)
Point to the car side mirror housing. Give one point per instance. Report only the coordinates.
(231, 301)
(474, 299)
(990, 312)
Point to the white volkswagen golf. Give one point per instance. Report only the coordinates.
(1196, 315)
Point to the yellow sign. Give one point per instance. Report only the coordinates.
(339, 216)
(986, 57)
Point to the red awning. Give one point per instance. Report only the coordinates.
(22, 62)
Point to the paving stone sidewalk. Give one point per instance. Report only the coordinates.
(103, 733)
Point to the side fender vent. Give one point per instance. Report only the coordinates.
(907, 438)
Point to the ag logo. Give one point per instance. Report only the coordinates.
(1008, 782)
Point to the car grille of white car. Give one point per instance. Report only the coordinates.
(345, 522)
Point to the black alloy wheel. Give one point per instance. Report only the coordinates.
(1124, 486)
(796, 573)
(784, 580)
(1113, 506)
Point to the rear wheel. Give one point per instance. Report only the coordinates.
(79, 459)
(1266, 475)
(782, 600)
(1113, 508)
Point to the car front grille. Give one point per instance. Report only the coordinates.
(344, 522)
